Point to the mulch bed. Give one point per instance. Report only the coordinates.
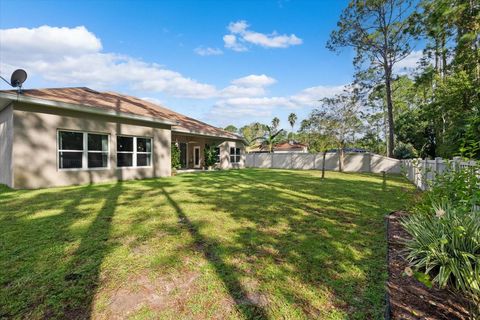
(409, 298)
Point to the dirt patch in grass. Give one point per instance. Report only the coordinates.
(141, 291)
(409, 298)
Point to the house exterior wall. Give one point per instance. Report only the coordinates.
(6, 145)
(35, 147)
(225, 155)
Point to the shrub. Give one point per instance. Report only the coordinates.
(210, 156)
(445, 246)
(404, 151)
(175, 157)
(458, 186)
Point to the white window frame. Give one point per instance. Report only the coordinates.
(235, 155)
(84, 151)
(135, 152)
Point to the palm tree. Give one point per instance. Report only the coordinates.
(275, 122)
(292, 118)
(272, 133)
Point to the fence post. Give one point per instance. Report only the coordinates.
(424, 174)
(456, 162)
(369, 158)
(437, 167)
(418, 173)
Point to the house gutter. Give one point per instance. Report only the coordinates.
(82, 108)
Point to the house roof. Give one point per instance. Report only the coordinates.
(122, 104)
(286, 146)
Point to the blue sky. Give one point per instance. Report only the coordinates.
(181, 54)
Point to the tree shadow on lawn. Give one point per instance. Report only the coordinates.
(54, 226)
(226, 272)
(326, 236)
(292, 238)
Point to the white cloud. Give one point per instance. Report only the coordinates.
(239, 91)
(238, 27)
(273, 40)
(253, 107)
(201, 51)
(254, 80)
(46, 41)
(311, 96)
(240, 35)
(231, 43)
(256, 102)
(73, 56)
(249, 86)
(407, 65)
(153, 100)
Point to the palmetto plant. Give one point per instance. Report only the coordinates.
(446, 246)
(268, 134)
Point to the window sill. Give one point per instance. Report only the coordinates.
(84, 169)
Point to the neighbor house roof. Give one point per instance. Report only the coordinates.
(120, 105)
(282, 146)
(289, 146)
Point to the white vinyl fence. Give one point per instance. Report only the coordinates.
(421, 172)
(354, 162)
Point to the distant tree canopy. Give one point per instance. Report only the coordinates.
(262, 134)
(231, 128)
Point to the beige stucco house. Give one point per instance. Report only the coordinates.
(68, 136)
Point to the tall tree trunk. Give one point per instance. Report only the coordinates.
(437, 56)
(391, 130)
(341, 156)
(444, 56)
(323, 163)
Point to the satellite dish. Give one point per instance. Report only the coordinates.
(18, 78)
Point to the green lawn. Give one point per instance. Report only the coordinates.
(232, 244)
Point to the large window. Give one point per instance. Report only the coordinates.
(134, 151)
(234, 155)
(82, 150)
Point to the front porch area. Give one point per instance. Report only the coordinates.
(230, 154)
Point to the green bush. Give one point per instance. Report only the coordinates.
(458, 186)
(210, 156)
(175, 157)
(445, 230)
(404, 151)
(445, 246)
